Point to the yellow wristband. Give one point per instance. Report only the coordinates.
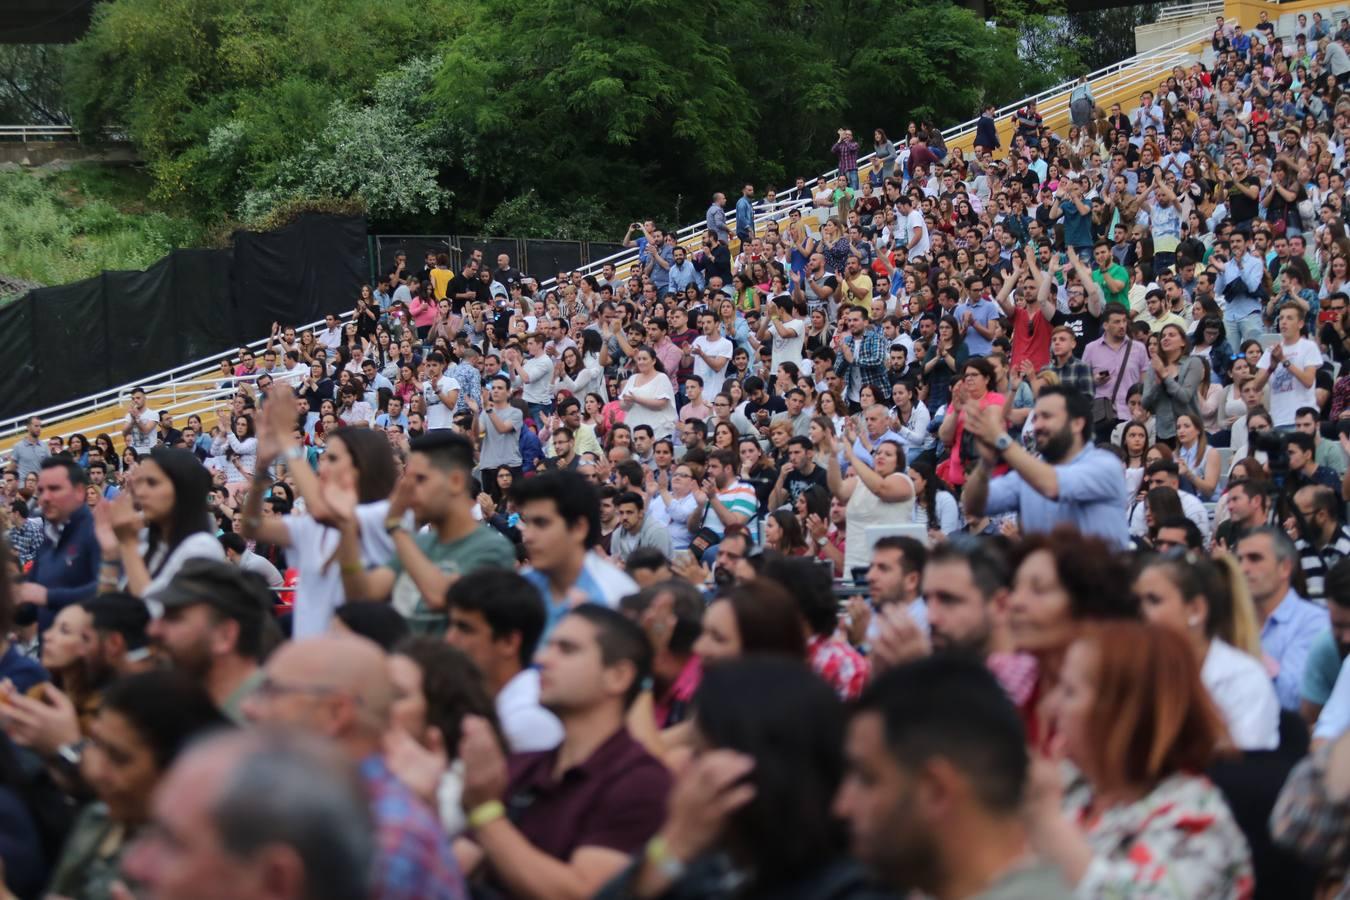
(486, 813)
(352, 568)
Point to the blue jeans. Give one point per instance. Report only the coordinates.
(852, 175)
(1239, 330)
(540, 412)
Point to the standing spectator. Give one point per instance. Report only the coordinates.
(1073, 481)
(986, 130)
(716, 219)
(1117, 363)
(745, 215)
(66, 567)
(500, 424)
(31, 450)
(560, 527)
(534, 376)
(141, 426)
(1290, 367)
(861, 357)
(845, 150)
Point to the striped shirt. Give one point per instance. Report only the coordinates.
(1315, 566)
(739, 497)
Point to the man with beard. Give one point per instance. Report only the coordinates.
(1072, 482)
(1330, 650)
(937, 775)
(213, 628)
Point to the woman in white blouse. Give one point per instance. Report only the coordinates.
(648, 398)
(910, 420)
(1207, 600)
(142, 551)
(579, 372)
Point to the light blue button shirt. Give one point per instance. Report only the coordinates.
(1335, 717)
(1287, 637)
(1091, 498)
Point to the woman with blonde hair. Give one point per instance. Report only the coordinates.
(1208, 601)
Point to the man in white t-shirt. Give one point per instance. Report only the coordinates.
(915, 238)
(441, 393)
(140, 427)
(534, 376)
(786, 324)
(712, 354)
(1290, 367)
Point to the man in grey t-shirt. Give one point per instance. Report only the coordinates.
(500, 425)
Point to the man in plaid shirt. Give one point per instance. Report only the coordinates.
(1072, 371)
(846, 151)
(860, 356)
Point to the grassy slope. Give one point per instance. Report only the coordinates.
(62, 226)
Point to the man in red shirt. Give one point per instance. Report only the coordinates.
(1030, 312)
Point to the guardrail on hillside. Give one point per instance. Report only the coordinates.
(30, 134)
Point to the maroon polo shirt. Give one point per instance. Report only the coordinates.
(615, 799)
(683, 340)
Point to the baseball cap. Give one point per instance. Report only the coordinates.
(238, 594)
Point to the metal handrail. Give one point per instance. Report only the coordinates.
(1186, 10)
(197, 370)
(27, 133)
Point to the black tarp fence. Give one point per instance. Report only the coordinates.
(60, 343)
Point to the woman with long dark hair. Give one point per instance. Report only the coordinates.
(1172, 383)
(356, 474)
(775, 835)
(143, 551)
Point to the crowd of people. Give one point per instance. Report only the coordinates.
(967, 523)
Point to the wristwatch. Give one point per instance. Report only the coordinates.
(393, 524)
(1002, 444)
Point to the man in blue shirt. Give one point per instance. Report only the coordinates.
(1077, 215)
(66, 568)
(976, 315)
(1289, 624)
(1239, 283)
(745, 214)
(1072, 483)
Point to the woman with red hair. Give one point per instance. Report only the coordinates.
(1138, 819)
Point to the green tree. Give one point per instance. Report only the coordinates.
(219, 94)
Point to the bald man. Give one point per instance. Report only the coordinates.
(257, 815)
(339, 688)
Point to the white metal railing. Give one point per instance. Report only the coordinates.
(184, 385)
(35, 133)
(1186, 10)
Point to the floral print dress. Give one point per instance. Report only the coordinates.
(1179, 842)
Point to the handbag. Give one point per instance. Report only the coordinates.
(1104, 408)
(705, 537)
